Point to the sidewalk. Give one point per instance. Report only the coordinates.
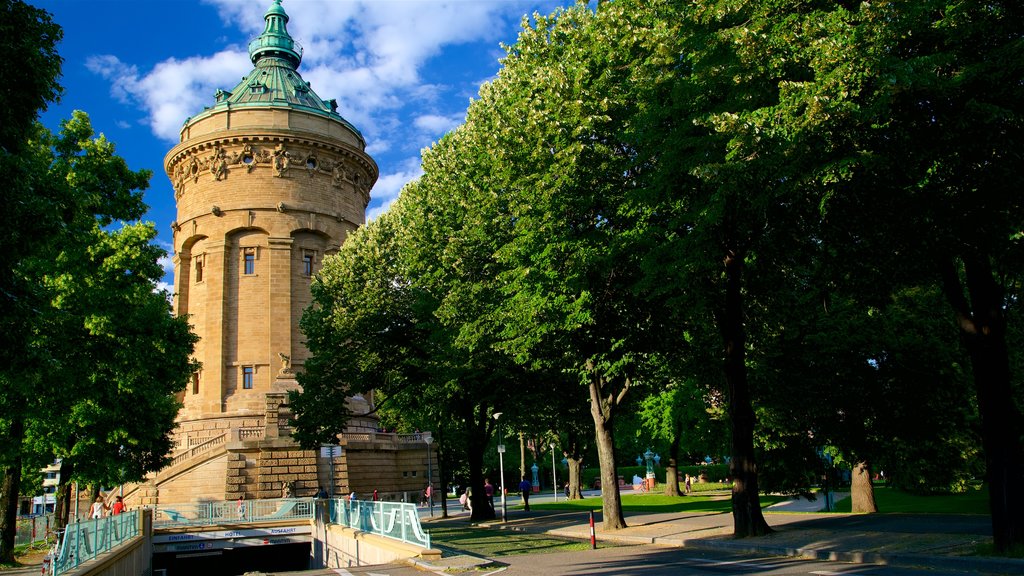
(909, 540)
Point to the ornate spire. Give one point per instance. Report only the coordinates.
(275, 40)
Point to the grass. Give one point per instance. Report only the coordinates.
(494, 543)
(893, 501)
(27, 555)
(654, 503)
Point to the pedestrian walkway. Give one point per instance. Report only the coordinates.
(910, 540)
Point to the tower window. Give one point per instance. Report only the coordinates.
(199, 270)
(195, 382)
(249, 261)
(307, 264)
(247, 375)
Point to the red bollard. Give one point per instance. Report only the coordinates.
(593, 537)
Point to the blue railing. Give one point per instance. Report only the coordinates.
(397, 520)
(85, 540)
(237, 512)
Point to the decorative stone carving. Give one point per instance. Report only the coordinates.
(193, 170)
(282, 159)
(219, 164)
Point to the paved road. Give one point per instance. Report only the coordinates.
(644, 561)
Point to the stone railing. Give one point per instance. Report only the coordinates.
(252, 433)
(385, 438)
(198, 449)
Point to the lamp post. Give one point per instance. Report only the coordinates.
(501, 467)
(554, 474)
(430, 475)
(648, 457)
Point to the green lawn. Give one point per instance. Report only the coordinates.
(493, 543)
(890, 500)
(657, 503)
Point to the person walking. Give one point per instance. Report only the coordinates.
(525, 488)
(118, 507)
(489, 492)
(98, 508)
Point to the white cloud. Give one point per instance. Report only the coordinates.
(367, 54)
(436, 125)
(388, 186)
(174, 89)
(167, 263)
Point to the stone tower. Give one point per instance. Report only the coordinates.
(269, 180)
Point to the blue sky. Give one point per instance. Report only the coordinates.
(403, 71)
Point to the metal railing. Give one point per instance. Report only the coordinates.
(33, 529)
(83, 541)
(397, 520)
(237, 512)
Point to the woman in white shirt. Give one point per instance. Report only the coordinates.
(98, 508)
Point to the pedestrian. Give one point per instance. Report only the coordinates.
(240, 508)
(566, 490)
(118, 507)
(688, 480)
(525, 488)
(464, 500)
(352, 496)
(428, 495)
(375, 495)
(489, 492)
(98, 508)
(322, 493)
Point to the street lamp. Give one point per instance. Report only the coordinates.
(554, 474)
(501, 467)
(648, 457)
(430, 475)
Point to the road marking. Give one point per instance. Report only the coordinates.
(827, 573)
(342, 572)
(737, 563)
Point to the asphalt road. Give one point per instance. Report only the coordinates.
(645, 561)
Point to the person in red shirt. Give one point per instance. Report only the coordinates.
(118, 507)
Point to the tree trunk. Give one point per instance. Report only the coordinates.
(748, 519)
(522, 457)
(611, 503)
(672, 467)
(9, 492)
(442, 474)
(475, 447)
(65, 488)
(575, 477)
(982, 327)
(862, 492)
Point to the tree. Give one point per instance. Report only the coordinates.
(679, 415)
(96, 314)
(560, 116)
(30, 84)
(908, 126)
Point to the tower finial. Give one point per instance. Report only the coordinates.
(275, 40)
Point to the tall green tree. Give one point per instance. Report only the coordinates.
(906, 129)
(561, 113)
(97, 315)
(30, 75)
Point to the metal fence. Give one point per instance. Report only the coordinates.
(397, 520)
(33, 529)
(83, 541)
(238, 512)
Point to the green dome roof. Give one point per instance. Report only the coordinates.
(275, 80)
(275, 40)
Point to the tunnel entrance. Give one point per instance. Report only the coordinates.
(233, 561)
